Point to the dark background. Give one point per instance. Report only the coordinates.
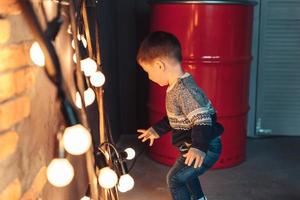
(123, 25)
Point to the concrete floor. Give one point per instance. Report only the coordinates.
(271, 171)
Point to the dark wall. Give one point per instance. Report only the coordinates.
(123, 24)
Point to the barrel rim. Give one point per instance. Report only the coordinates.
(239, 2)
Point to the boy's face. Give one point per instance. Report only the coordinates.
(156, 72)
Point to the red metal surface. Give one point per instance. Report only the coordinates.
(216, 43)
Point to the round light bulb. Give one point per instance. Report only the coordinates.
(85, 198)
(83, 40)
(130, 153)
(37, 55)
(77, 139)
(88, 66)
(126, 183)
(89, 98)
(107, 178)
(78, 36)
(60, 172)
(97, 79)
(73, 44)
(69, 30)
(74, 58)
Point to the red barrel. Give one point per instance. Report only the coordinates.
(216, 47)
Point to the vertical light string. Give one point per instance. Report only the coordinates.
(89, 154)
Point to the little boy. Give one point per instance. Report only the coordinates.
(190, 116)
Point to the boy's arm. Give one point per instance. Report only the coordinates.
(162, 126)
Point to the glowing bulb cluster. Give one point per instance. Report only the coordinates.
(126, 183)
(37, 55)
(107, 178)
(60, 172)
(89, 98)
(77, 139)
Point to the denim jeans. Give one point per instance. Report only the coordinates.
(183, 180)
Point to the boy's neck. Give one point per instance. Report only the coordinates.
(175, 74)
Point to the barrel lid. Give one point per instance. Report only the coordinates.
(241, 2)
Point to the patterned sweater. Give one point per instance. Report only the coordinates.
(190, 115)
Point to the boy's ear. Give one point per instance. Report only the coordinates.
(160, 65)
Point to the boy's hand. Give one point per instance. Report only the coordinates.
(194, 154)
(149, 134)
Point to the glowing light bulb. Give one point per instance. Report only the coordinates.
(60, 172)
(107, 178)
(97, 79)
(37, 55)
(88, 66)
(83, 40)
(89, 98)
(69, 29)
(85, 198)
(74, 58)
(73, 44)
(78, 36)
(130, 153)
(77, 139)
(126, 183)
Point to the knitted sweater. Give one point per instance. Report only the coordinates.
(190, 115)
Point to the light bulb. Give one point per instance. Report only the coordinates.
(37, 55)
(97, 79)
(60, 172)
(78, 36)
(130, 153)
(83, 40)
(88, 66)
(77, 139)
(89, 98)
(74, 58)
(73, 44)
(126, 183)
(107, 178)
(85, 198)
(69, 29)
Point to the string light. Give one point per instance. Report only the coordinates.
(126, 183)
(37, 55)
(82, 39)
(107, 178)
(130, 153)
(88, 66)
(97, 79)
(69, 30)
(60, 172)
(73, 44)
(74, 58)
(89, 98)
(77, 139)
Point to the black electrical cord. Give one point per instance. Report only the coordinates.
(136, 158)
(55, 76)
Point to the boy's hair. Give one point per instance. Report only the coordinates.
(159, 44)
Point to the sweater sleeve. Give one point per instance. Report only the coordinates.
(162, 126)
(196, 107)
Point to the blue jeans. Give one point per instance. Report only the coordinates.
(183, 180)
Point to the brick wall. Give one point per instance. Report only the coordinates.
(29, 118)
